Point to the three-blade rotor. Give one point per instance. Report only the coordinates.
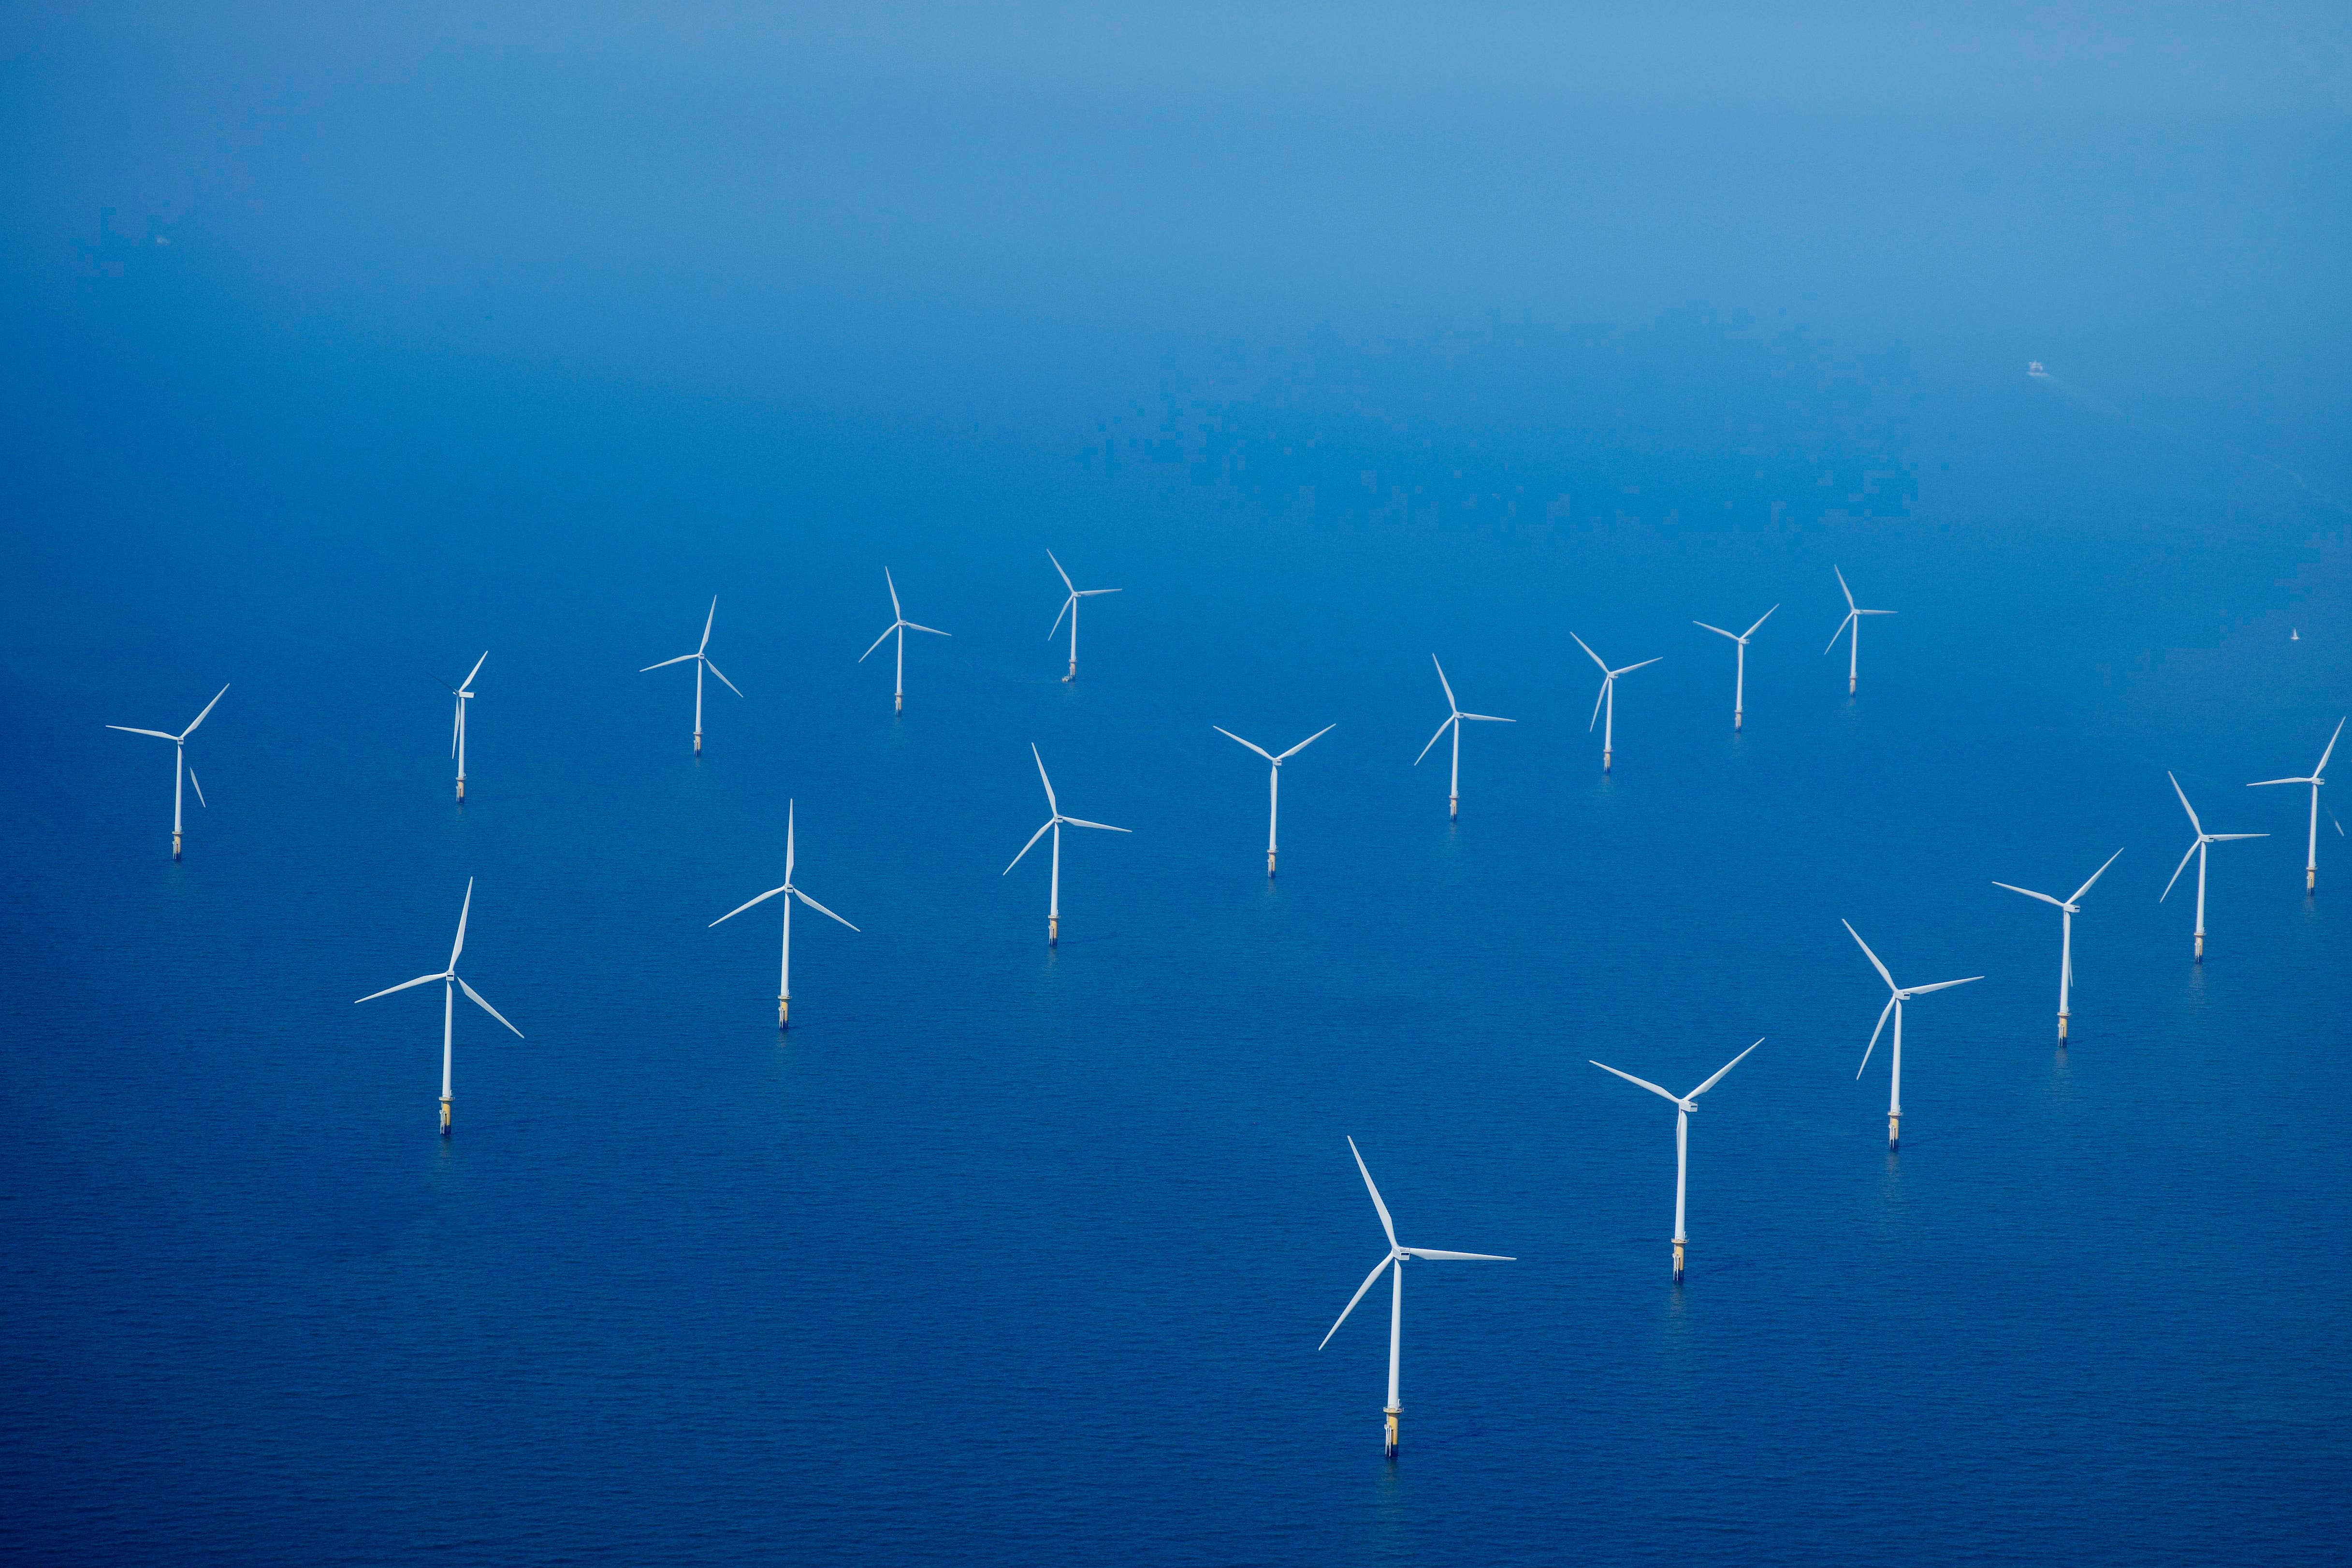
(1269, 756)
(181, 740)
(1740, 637)
(1683, 1102)
(1069, 605)
(2073, 905)
(702, 653)
(1397, 1253)
(2204, 837)
(450, 975)
(1609, 677)
(786, 887)
(1054, 807)
(899, 618)
(1853, 610)
(1898, 993)
(1453, 713)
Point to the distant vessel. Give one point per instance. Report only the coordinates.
(2293, 634)
(2034, 368)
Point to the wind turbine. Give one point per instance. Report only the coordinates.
(701, 658)
(1070, 609)
(2067, 910)
(1740, 678)
(1608, 698)
(784, 985)
(449, 978)
(902, 626)
(2197, 849)
(2311, 860)
(1893, 1004)
(1684, 1105)
(463, 691)
(1453, 722)
(179, 763)
(1853, 614)
(1395, 1259)
(1273, 780)
(1055, 822)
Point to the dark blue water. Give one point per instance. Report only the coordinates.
(1011, 1255)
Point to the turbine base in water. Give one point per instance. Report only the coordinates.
(2201, 947)
(175, 847)
(1269, 865)
(898, 703)
(1604, 761)
(1052, 930)
(1074, 673)
(1678, 1261)
(1735, 719)
(1453, 808)
(1894, 1130)
(698, 743)
(445, 1116)
(2310, 877)
(1388, 1443)
(461, 789)
(2062, 1028)
(783, 1012)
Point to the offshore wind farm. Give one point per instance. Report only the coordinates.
(1322, 366)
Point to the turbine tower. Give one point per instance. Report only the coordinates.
(2311, 853)
(464, 693)
(1853, 614)
(1056, 823)
(1608, 698)
(2197, 849)
(1395, 1260)
(1684, 1105)
(449, 980)
(784, 983)
(902, 626)
(1070, 609)
(701, 658)
(179, 763)
(1454, 722)
(1902, 993)
(1740, 676)
(2067, 910)
(1273, 780)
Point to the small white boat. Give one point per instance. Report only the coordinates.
(2034, 368)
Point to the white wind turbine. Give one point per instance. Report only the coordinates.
(1273, 780)
(449, 978)
(1853, 614)
(1608, 698)
(2311, 860)
(1055, 822)
(1454, 722)
(1684, 1104)
(2067, 910)
(1893, 1004)
(701, 658)
(2197, 849)
(464, 692)
(1739, 676)
(179, 763)
(902, 626)
(1070, 609)
(1395, 1259)
(784, 985)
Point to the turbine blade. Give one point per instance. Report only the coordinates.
(200, 718)
(739, 909)
(402, 986)
(2184, 803)
(2210, 839)
(1759, 621)
(1106, 827)
(665, 664)
(1095, 593)
(895, 613)
(1588, 651)
(1873, 1035)
(1305, 743)
(1025, 848)
(1645, 1083)
(819, 908)
(457, 720)
(1718, 631)
(1064, 610)
(1489, 719)
(1416, 762)
(2043, 897)
(791, 807)
(1432, 1253)
(475, 671)
(464, 910)
(2330, 751)
(707, 621)
(1374, 1191)
(1725, 1068)
(1843, 588)
(880, 640)
(1065, 576)
(2095, 877)
(1840, 632)
(722, 676)
(1451, 705)
(1359, 1296)
(485, 1007)
(200, 789)
(1050, 801)
(1599, 698)
(159, 734)
(933, 630)
(1942, 985)
(1253, 745)
(1870, 955)
(2179, 869)
(1631, 668)
(2258, 783)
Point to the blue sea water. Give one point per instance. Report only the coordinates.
(1006, 1254)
